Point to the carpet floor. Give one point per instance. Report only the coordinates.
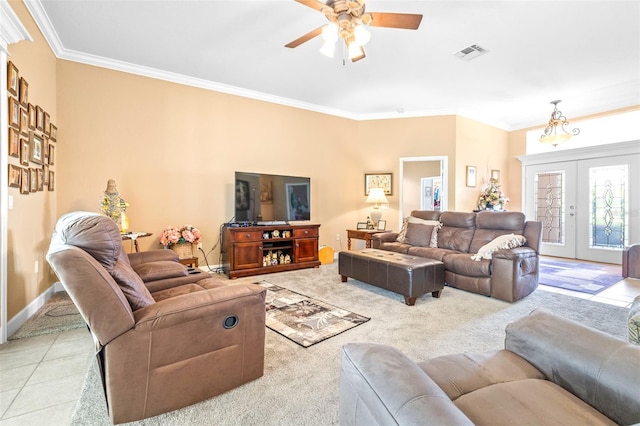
(590, 278)
(301, 385)
(56, 315)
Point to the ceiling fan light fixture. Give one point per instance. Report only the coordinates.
(328, 49)
(330, 33)
(361, 35)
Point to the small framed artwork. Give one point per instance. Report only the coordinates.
(51, 157)
(36, 148)
(45, 175)
(40, 179)
(24, 122)
(54, 133)
(14, 142)
(52, 180)
(33, 180)
(14, 176)
(361, 225)
(382, 225)
(24, 180)
(378, 180)
(47, 124)
(32, 116)
(14, 113)
(13, 79)
(39, 118)
(24, 92)
(471, 176)
(495, 175)
(24, 152)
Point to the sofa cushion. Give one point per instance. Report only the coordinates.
(462, 264)
(528, 401)
(419, 234)
(161, 269)
(411, 219)
(502, 242)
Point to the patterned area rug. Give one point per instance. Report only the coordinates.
(56, 315)
(588, 278)
(304, 320)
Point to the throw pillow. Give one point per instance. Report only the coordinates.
(403, 231)
(419, 235)
(412, 219)
(502, 242)
(634, 321)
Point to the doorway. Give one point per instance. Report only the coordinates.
(414, 175)
(588, 204)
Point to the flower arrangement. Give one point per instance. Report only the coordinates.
(185, 234)
(492, 196)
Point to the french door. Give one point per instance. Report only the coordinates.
(588, 207)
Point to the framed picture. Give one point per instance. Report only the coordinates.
(32, 116)
(14, 176)
(471, 176)
(361, 225)
(24, 180)
(382, 225)
(33, 180)
(36, 148)
(495, 175)
(51, 159)
(52, 180)
(14, 113)
(13, 79)
(54, 133)
(23, 97)
(378, 180)
(24, 152)
(39, 118)
(40, 179)
(298, 196)
(24, 122)
(45, 175)
(14, 142)
(47, 124)
(242, 187)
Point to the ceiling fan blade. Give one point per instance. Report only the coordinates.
(360, 56)
(308, 36)
(407, 21)
(313, 4)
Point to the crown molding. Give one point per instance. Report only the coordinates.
(11, 29)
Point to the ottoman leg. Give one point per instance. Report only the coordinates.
(410, 300)
(436, 294)
(343, 278)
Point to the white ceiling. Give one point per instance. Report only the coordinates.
(586, 53)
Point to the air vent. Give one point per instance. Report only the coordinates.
(471, 52)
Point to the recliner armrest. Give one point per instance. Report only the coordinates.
(385, 237)
(152, 256)
(631, 261)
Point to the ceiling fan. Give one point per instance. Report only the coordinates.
(347, 21)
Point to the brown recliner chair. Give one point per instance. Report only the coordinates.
(163, 350)
(631, 261)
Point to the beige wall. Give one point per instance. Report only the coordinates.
(31, 221)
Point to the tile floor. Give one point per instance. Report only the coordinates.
(42, 377)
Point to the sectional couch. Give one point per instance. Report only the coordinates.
(470, 246)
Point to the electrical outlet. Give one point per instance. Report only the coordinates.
(199, 246)
(338, 237)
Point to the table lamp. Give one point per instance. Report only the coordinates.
(376, 197)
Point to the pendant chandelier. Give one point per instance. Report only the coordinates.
(556, 131)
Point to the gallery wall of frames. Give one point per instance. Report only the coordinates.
(32, 139)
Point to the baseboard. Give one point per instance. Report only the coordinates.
(14, 323)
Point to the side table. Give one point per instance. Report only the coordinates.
(133, 236)
(362, 234)
(190, 261)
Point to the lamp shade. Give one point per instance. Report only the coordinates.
(377, 197)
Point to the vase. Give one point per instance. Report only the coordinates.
(184, 250)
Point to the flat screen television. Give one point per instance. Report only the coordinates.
(266, 199)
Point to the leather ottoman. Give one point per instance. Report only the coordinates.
(410, 276)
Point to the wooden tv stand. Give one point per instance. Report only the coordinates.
(253, 250)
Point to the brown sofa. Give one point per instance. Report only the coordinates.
(159, 350)
(552, 371)
(509, 275)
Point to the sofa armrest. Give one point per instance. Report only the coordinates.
(188, 307)
(631, 261)
(385, 237)
(598, 368)
(514, 273)
(152, 256)
(380, 385)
